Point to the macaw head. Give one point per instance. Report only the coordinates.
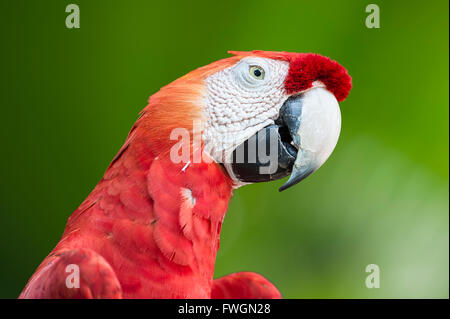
(262, 115)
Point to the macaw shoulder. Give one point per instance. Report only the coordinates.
(73, 274)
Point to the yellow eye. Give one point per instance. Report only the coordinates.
(257, 72)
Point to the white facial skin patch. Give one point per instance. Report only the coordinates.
(241, 100)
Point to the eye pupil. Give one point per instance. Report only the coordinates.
(257, 73)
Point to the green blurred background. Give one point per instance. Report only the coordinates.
(70, 96)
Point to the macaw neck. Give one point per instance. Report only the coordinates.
(190, 202)
(163, 218)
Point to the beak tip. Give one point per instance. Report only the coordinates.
(296, 177)
(288, 184)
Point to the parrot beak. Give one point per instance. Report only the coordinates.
(302, 138)
(313, 119)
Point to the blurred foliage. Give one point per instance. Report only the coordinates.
(69, 98)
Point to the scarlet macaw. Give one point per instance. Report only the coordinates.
(150, 228)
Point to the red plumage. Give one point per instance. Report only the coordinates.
(307, 68)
